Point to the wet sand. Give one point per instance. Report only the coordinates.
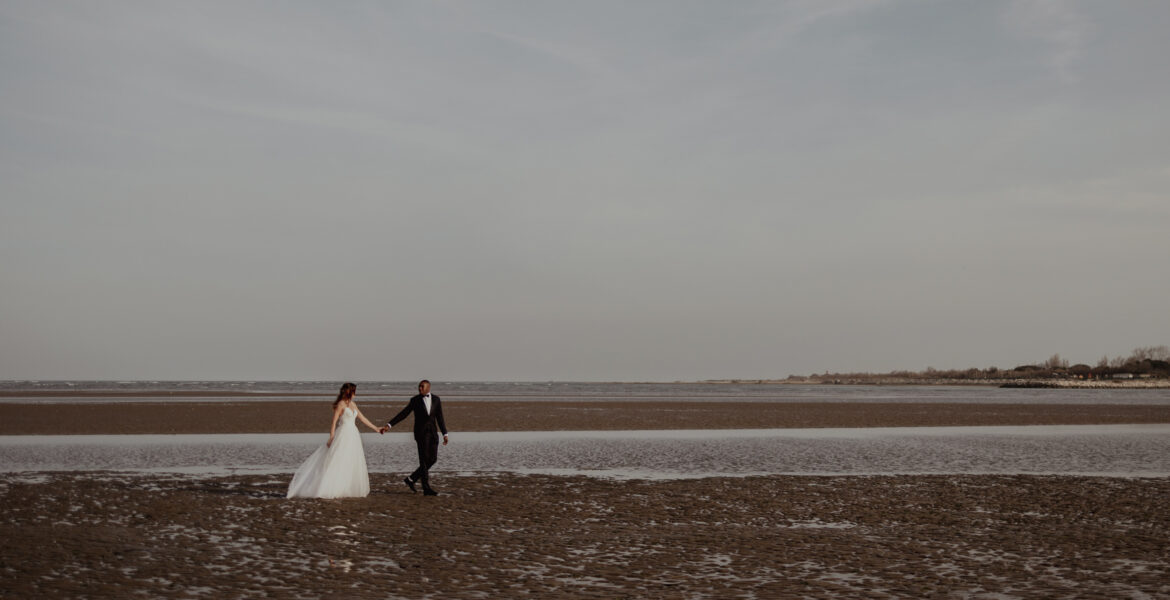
(227, 416)
(112, 536)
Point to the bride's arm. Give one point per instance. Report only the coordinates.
(333, 424)
(363, 418)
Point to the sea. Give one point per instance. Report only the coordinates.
(554, 391)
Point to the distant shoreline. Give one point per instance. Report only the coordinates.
(1036, 383)
(1132, 384)
(1098, 384)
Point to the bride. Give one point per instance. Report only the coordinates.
(337, 469)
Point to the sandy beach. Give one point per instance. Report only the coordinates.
(111, 535)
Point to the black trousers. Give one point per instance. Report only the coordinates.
(428, 453)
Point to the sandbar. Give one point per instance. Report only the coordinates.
(253, 416)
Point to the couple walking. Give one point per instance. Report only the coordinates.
(338, 469)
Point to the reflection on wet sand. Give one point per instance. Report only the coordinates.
(1117, 450)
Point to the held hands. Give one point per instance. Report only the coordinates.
(385, 428)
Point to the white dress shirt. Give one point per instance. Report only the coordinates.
(426, 402)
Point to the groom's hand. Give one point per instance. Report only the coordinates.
(382, 429)
(444, 439)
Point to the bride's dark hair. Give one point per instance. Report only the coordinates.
(347, 392)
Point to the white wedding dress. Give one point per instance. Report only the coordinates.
(335, 471)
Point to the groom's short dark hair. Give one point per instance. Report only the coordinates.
(424, 381)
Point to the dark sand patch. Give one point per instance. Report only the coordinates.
(115, 535)
(309, 417)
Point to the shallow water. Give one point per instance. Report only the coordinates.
(1107, 450)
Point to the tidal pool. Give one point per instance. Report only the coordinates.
(1104, 450)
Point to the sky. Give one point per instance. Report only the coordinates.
(589, 191)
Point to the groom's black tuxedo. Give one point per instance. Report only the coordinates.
(426, 434)
(423, 422)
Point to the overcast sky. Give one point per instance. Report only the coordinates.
(579, 190)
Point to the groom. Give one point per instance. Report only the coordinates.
(428, 412)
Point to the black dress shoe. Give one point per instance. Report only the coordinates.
(409, 484)
(430, 492)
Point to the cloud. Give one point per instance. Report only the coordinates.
(1063, 29)
(1135, 197)
(647, 190)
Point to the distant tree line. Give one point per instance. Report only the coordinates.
(1143, 362)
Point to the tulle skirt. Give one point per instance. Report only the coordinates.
(337, 471)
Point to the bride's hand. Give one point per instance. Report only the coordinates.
(329, 443)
